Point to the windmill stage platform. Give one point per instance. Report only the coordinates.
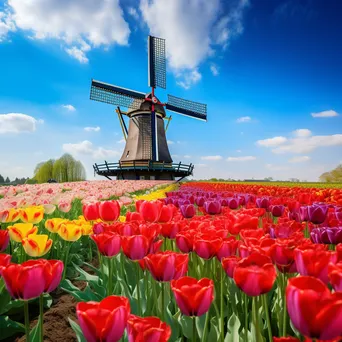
(144, 170)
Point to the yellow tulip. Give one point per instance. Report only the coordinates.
(32, 214)
(37, 245)
(19, 231)
(87, 229)
(122, 218)
(70, 231)
(53, 225)
(13, 215)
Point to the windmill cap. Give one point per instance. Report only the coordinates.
(146, 106)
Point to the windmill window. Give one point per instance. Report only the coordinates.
(127, 154)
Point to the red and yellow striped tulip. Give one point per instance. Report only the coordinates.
(13, 215)
(70, 231)
(32, 214)
(19, 231)
(4, 215)
(53, 225)
(37, 245)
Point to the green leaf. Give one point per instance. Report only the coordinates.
(35, 332)
(9, 327)
(214, 332)
(186, 324)
(76, 328)
(233, 329)
(81, 296)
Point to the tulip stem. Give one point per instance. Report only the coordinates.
(66, 259)
(255, 310)
(138, 289)
(221, 304)
(246, 316)
(27, 320)
(163, 301)
(194, 337)
(267, 314)
(205, 329)
(110, 276)
(284, 304)
(41, 317)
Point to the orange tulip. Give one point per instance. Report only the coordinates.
(37, 245)
(19, 231)
(32, 214)
(70, 231)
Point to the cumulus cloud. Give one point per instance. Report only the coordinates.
(17, 123)
(80, 25)
(133, 12)
(241, 159)
(300, 159)
(271, 141)
(302, 133)
(92, 129)
(212, 158)
(189, 78)
(86, 147)
(69, 107)
(193, 30)
(244, 119)
(6, 25)
(325, 114)
(214, 69)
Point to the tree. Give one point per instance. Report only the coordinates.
(64, 169)
(2, 179)
(334, 175)
(7, 180)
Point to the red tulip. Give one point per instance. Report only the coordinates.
(206, 245)
(150, 210)
(243, 221)
(104, 321)
(53, 271)
(149, 329)
(184, 241)
(133, 216)
(136, 247)
(255, 274)
(286, 339)
(108, 243)
(5, 260)
(229, 264)
(166, 213)
(277, 210)
(313, 310)
(24, 281)
(165, 266)
(335, 276)
(91, 211)
(228, 248)
(4, 239)
(109, 210)
(314, 262)
(171, 229)
(193, 296)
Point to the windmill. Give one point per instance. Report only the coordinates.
(146, 154)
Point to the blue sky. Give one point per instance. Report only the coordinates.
(269, 71)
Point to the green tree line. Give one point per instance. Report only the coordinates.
(333, 176)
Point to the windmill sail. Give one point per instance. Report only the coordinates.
(156, 62)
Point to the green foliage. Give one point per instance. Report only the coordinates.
(332, 176)
(64, 169)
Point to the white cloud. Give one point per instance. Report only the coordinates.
(302, 133)
(192, 29)
(201, 165)
(272, 141)
(214, 69)
(69, 107)
(273, 167)
(18, 123)
(325, 114)
(6, 25)
(170, 142)
(213, 158)
(309, 144)
(86, 148)
(80, 25)
(241, 159)
(189, 78)
(244, 119)
(133, 12)
(92, 129)
(300, 159)
(122, 141)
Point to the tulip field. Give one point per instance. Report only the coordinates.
(153, 261)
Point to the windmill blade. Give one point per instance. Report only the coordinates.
(115, 95)
(156, 62)
(185, 107)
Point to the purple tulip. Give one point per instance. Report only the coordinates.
(188, 210)
(212, 207)
(263, 202)
(327, 235)
(277, 210)
(200, 201)
(317, 213)
(303, 212)
(233, 203)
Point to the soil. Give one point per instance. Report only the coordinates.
(56, 324)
